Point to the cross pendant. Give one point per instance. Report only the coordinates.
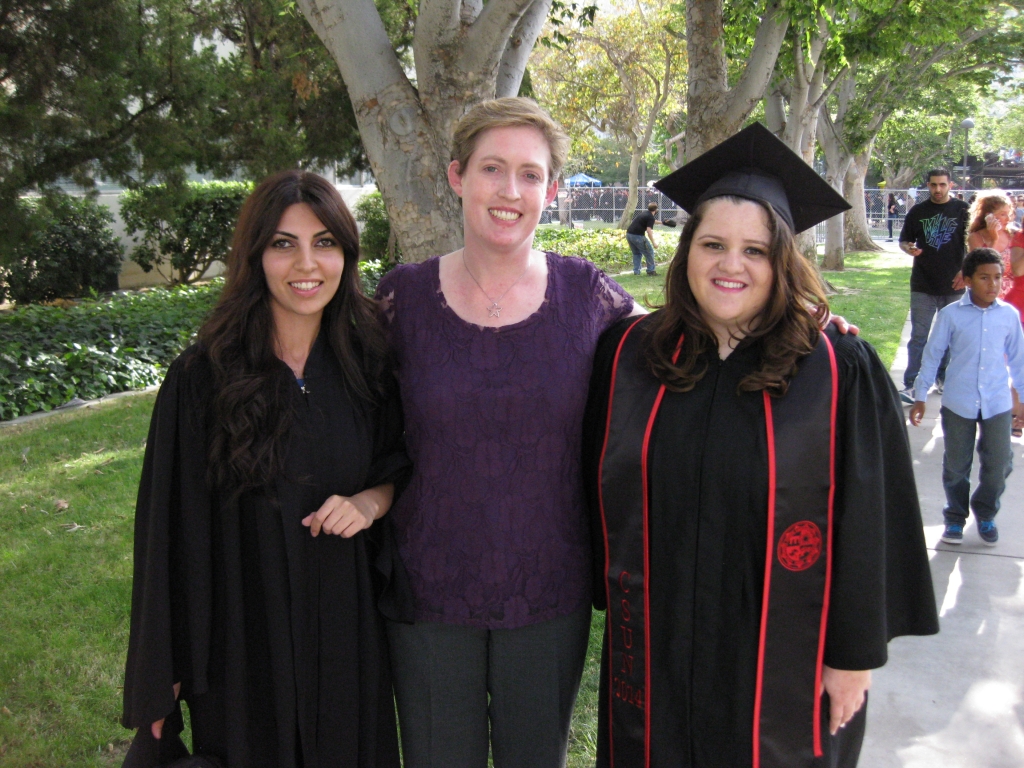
(495, 310)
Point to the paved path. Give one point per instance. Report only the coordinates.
(956, 700)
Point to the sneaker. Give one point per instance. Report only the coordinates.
(907, 396)
(938, 387)
(988, 532)
(953, 534)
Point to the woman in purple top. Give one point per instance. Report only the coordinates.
(494, 345)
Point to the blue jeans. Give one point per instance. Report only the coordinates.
(995, 458)
(641, 247)
(923, 307)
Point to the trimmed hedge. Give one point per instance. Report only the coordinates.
(607, 248)
(69, 250)
(190, 227)
(50, 355)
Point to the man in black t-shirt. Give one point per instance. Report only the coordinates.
(637, 234)
(935, 234)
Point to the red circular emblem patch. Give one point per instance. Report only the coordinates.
(800, 546)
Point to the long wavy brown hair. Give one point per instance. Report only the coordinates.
(250, 411)
(985, 203)
(788, 325)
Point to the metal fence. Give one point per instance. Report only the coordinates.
(597, 206)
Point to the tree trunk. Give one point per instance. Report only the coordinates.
(634, 173)
(714, 111)
(837, 163)
(857, 233)
(904, 178)
(460, 60)
(808, 246)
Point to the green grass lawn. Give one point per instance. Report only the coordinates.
(67, 498)
(875, 295)
(65, 571)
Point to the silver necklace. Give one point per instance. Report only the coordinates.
(495, 309)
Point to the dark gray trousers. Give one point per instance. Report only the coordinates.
(459, 687)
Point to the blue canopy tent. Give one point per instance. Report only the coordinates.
(582, 180)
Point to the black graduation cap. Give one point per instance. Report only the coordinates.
(754, 164)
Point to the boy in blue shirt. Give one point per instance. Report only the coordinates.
(985, 341)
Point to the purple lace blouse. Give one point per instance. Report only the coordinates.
(492, 528)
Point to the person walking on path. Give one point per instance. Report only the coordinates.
(983, 335)
(934, 234)
(637, 234)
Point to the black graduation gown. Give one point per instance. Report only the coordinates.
(274, 635)
(708, 470)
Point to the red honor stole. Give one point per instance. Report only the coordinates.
(798, 561)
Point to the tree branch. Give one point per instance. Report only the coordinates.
(487, 38)
(353, 32)
(760, 65)
(517, 52)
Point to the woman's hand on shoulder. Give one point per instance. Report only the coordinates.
(345, 516)
(842, 325)
(847, 691)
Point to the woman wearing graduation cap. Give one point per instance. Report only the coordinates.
(756, 524)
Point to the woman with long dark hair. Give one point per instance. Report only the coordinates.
(274, 447)
(757, 534)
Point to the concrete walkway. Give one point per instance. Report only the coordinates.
(956, 700)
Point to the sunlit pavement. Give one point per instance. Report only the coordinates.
(956, 700)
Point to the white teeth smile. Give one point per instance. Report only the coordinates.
(728, 283)
(504, 215)
(307, 286)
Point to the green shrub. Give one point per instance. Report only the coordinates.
(607, 248)
(373, 240)
(53, 354)
(190, 227)
(68, 250)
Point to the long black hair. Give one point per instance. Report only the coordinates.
(250, 412)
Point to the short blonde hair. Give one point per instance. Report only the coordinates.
(509, 112)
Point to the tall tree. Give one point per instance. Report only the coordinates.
(715, 108)
(464, 51)
(896, 52)
(910, 142)
(139, 90)
(616, 77)
(86, 86)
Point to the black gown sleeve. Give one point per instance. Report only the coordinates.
(881, 582)
(390, 465)
(390, 462)
(171, 589)
(594, 425)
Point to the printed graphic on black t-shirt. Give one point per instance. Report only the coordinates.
(940, 232)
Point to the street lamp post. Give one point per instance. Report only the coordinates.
(967, 124)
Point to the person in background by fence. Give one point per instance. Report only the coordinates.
(637, 234)
(892, 213)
